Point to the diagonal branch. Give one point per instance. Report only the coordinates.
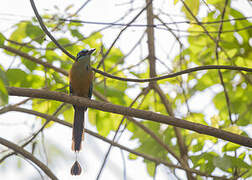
(148, 157)
(9, 108)
(33, 59)
(45, 64)
(143, 92)
(47, 32)
(217, 58)
(29, 156)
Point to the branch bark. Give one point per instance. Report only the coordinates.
(148, 115)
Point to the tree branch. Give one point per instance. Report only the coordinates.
(172, 75)
(33, 59)
(217, 59)
(120, 33)
(145, 156)
(29, 156)
(47, 32)
(148, 115)
(187, 71)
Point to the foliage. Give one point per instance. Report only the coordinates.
(202, 149)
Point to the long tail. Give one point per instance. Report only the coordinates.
(78, 136)
(78, 128)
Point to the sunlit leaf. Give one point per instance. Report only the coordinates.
(193, 6)
(151, 166)
(234, 129)
(34, 32)
(2, 39)
(3, 90)
(230, 147)
(215, 121)
(132, 156)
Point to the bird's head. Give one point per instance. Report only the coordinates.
(84, 53)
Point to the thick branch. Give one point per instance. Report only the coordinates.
(148, 115)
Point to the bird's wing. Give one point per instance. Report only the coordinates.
(70, 89)
(90, 92)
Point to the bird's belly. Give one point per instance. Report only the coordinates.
(80, 82)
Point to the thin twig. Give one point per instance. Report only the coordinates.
(34, 135)
(83, 5)
(152, 25)
(217, 58)
(120, 33)
(117, 130)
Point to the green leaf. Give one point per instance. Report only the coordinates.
(104, 121)
(197, 147)
(193, 6)
(115, 93)
(17, 77)
(3, 90)
(20, 33)
(151, 166)
(132, 156)
(20, 78)
(233, 129)
(230, 147)
(44, 106)
(2, 39)
(34, 32)
(223, 163)
(227, 162)
(197, 118)
(215, 121)
(51, 56)
(29, 64)
(68, 113)
(175, 2)
(76, 33)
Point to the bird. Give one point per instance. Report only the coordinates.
(80, 84)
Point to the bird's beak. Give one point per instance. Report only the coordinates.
(91, 51)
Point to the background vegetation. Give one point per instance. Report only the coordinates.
(216, 34)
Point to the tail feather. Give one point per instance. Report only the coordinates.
(76, 169)
(78, 128)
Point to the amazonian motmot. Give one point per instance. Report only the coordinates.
(80, 77)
